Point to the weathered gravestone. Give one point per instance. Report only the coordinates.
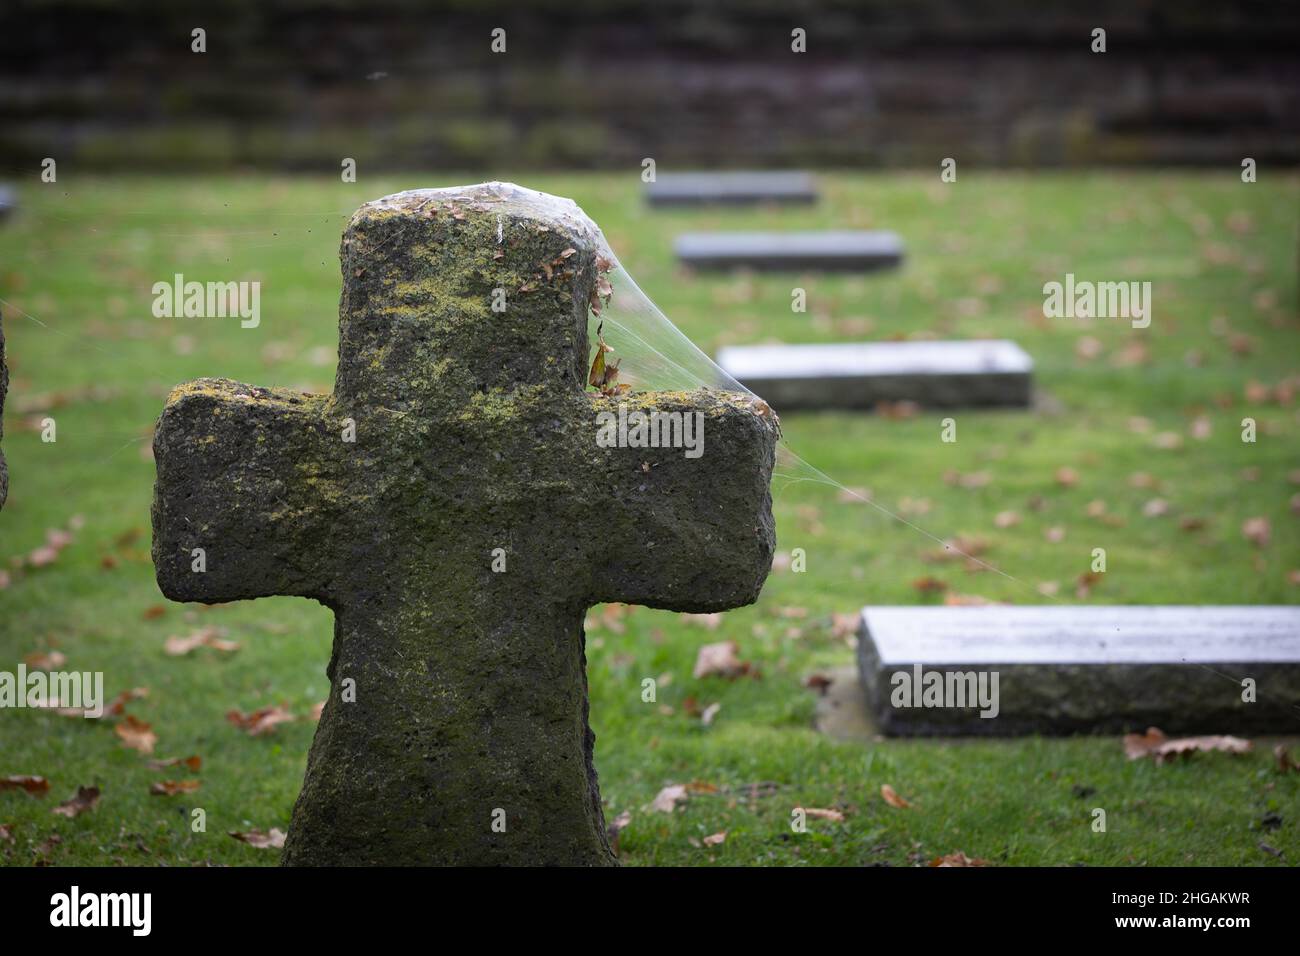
(1062, 669)
(4, 387)
(790, 251)
(861, 375)
(473, 432)
(731, 189)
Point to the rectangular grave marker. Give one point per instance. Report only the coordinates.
(790, 251)
(731, 189)
(861, 375)
(1064, 669)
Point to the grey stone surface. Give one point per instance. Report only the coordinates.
(473, 431)
(860, 375)
(731, 189)
(790, 251)
(1065, 669)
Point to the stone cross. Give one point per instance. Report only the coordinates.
(451, 504)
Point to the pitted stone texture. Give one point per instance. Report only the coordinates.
(474, 432)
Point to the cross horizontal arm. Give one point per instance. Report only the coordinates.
(689, 523)
(249, 486)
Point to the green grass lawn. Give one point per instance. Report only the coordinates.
(1165, 402)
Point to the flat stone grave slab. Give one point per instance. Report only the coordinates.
(860, 375)
(790, 251)
(1064, 670)
(731, 189)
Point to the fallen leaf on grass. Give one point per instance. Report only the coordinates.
(7, 832)
(1155, 744)
(720, 659)
(153, 612)
(136, 734)
(193, 762)
(818, 813)
(710, 712)
(169, 788)
(203, 637)
(1284, 762)
(260, 722)
(45, 660)
(888, 794)
(709, 621)
(263, 841)
(958, 859)
(715, 839)
(1257, 531)
(85, 799)
(616, 827)
(818, 682)
(119, 703)
(1067, 477)
(29, 782)
(929, 585)
(667, 799)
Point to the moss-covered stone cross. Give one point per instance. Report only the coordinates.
(450, 503)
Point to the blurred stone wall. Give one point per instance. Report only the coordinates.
(300, 84)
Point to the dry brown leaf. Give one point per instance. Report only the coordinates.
(958, 859)
(1155, 744)
(203, 637)
(45, 660)
(85, 799)
(1006, 519)
(119, 703)
(888, 794)
(1284, 762)
(7, 832)
(716, 839)
(818, 682)
(1257, 531)
(616, 826)
(261, 721)
(707, 621)
(29, 782)
(1067, 477)
(136, 734)
(667, 799)
(263, 841)
(194, 762)
(720, 659)
(169, 788)
(710, 712)
(929, 585)
(818, 813)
